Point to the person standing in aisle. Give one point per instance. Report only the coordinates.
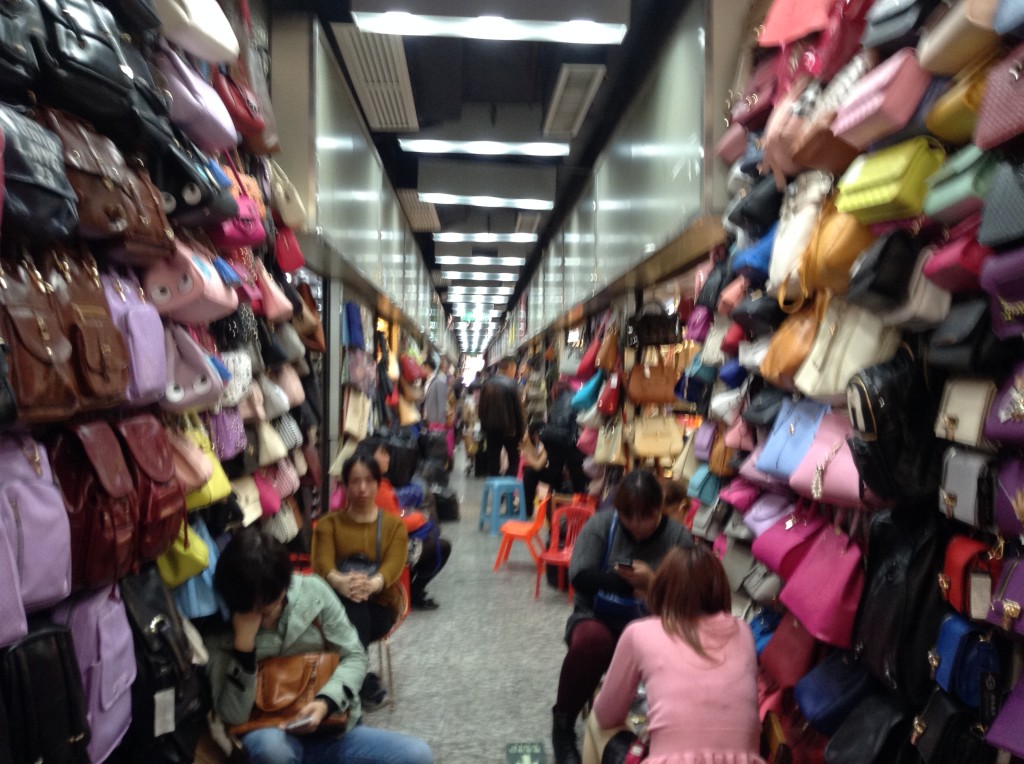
(501, 417)
(435, 406)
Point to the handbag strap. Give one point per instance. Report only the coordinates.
(376, 558)
(611, 538)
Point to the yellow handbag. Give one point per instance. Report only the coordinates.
(890, 184)
(954, 113)
(791, 343)
(218, 487)
(188, 557)
(837, 241)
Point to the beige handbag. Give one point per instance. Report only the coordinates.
(711, 353)
(248, 495)
(927, 303)
(272, 449)
(798, 219)
(356, 416)
(610, 447)
(284, 199)
(959, 38)
(345, 450)
(407, 412)
(962, 413)
(849, 339)
(685, 465)
(657, 436)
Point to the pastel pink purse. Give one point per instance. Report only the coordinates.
(740, 494)
(883, 100)
(195, 106)
(187, 287)
(827, 472)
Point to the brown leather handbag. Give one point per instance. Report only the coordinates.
(608, 353)
(100, 356)
(721, 461)
(39, 351)
(791, 344)
(653, 383)
(285, 685)
(307, 321)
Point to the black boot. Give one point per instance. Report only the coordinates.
(563, 738)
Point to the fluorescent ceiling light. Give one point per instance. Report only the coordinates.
(451, 237)
(477, 276)
(480, 260)
(493, 27)
(484, 148)
(484, 299)
(479, 290)
(487, 201)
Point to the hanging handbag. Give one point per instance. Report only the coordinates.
(963, 410)
(964, 658)
(766, 511)
(1005, 731)
(608, 353)
(1005, 420)
(227, 432)
(653, 383)
(283, 525)
(270, 447)
(756, 212)
(954, 115)
(1000, 120)
(188, 557)
(890, 183)
(288, 380)
(192, 468)
(193, 384)
(964, 341)
(946, 732)
(926, 305)
(791, 437)
(958, 189)
(289, 431)
(894, 24)
(704, 439)
(790, 653)
(191, 194)
(956, 265)
(285, 200)
(1009, 496)
(246, 228)
(880, 277)
(610, 448)
(965, 493)
(961, 36)
(828, 473)
(835, 245)
(875, 731)
(608, 399)
(20, 24)
(751, 263)
(740, 494)
(791, 344)
(199, 27)
(216, 488)
(656, 437)
(704, 486)
(1000, 225)
(187, 287)
(790, 20)
(1001, 278)
(750, 472)
(195, 106)
(586, 397)
(758, 313)
(139, 323)
(784, 532)
(829, 692)
(239, 99)
(969, 574)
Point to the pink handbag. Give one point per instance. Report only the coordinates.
(883, 100)
(283, 476)
(195, 106)
(698, 324)
(245, 229)
(187, 288)
(790, 20)
(270, 500)
(242, 261)
(785, 544)
(732, 295)
(193, 384)
(740, 494)
(825, 589)
(769, 509)
(587, 442)
(732, 144)
(277, 308)
(740, 435)
(827, 472)
(287, 251)
(956, 265)
(251, 406)
(288, 380)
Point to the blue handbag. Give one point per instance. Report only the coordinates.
(354, 326)
(196, 598)
(700, 371)
(752, 261)
(732, 374)
(791, 436)
(832, 689)
(704, 486)
(586, 396)
(616, 610)
(961, 658)
(763, 626)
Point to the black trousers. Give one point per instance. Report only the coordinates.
(497, 440)
(436, 552)
(371, 619)
(555, 478)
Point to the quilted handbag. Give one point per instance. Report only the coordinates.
(958, 189)
(956, 264)
(891, 183)
(1003, 279)
(783, 538)
(960, 37)
(1000, 118)
(187, 288)
(289, 431)
(199, 27)
(963, 410)
(848, 340)
(791, 437)
(193, 384)
(827, 473)
(283, 525)
(895, 24)
(883, 101)
(1005, 420)
(195, 106)
(1001, 225)
(239, 364)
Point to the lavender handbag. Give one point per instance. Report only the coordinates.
(1003, 278)
(1007, 730)
(791, 436)
(193, 384)
(1008, 598)
(703, 440)
(750, 472)
(1005, 420)
(1009, 498)
(699, 323)
(769, 509)
(140, 324)
(195, 106)
(227, 431)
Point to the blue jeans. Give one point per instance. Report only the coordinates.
(360, 745)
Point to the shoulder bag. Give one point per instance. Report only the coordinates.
(960, 37)
(798, 217)
(946, 732)
(140, 325)
(653, 383)
(656, 437)
(964, 342)
(828, 473)
(195, 107)
(791, 437)
(926, 305)
(965, 493)
(831, 690)
(1001, 227)
(894, 24)
(877, 729)
(838, 239)
(1004, 732)
(783, 538)
(964, 658)
(791, 344)
(956, 264)
(1003, 278)
(880, 277)
(1005, 420)
(954, 114)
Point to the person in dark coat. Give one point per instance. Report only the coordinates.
(501, 418)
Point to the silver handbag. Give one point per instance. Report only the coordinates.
(966, 490)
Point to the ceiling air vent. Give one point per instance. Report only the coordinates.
(574, 92)
(376, 63)
(422, 216)
(527, 222)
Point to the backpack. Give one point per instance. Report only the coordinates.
(561, 430)
(166, 679)
(42, 691)
(447, 502)
(103, 648)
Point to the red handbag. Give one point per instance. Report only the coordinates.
(410, 370)
(790, 652)
(241, 102)
(968, 564)
(608, 399)
(287, 251)
(838, 41)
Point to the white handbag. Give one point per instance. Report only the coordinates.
(275, 399)
(239, 364)
(849, 339)
(801, 208)
(725, 406)
(657, 436)
(590, 419)
(284, 198)
(964, 408)
(927, 303)
(711, 352)
(248, 495)
(685, 465)
(198, 27)
(750, 354)
(291, 342)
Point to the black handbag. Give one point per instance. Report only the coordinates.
(875, 732)
(759, 313)
(83, 66)
(946, 732)
(39, 201)
(895, 24)
(42, 690)
(1002, 225)
(652, 326)
(764, 406)
(8, 403)
(137, 15)
(149, 129)
(880, 277)
(901, 608)
(964, 341)
(828, 692)
(756, 212)
(164, 669)
(713, 286)
(20, 24)
(191, 194)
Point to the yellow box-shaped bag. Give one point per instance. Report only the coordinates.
(188, 557)
(890, 184)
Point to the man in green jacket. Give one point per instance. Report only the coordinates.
(274, 613)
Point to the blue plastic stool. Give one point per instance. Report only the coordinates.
(496, 491)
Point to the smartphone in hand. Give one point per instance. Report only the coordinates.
(624, 564)
(299, 723)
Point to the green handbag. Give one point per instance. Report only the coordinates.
(890, 184)
(958, 189)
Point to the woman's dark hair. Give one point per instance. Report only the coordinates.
(675, 492)
(364, 458)
(639, 495)
(535, 427)
(372, 443)
(252, 571)
(689, 583)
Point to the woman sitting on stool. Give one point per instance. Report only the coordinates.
(360, 552)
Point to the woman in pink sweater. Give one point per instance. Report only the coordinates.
(697, 663)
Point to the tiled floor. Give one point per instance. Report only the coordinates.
(481, 671)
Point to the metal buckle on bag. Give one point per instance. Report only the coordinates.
(949, 423)
(933, 661)
(949, 501)
(1011, 612)
(919, 729)
(944, 584)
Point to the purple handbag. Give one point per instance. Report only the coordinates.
(140, 324)
(782, 546)
(1002, 276)
(769, 509)
(195, 106)
(1007, 730)
(106, 659)
(1005, 420)
(35, 535)
(193, 384)
(1008, 598)
(703, 440)
(227, 431)
(1009, 501)
(699, 323)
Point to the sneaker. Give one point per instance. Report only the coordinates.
(424, 602)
